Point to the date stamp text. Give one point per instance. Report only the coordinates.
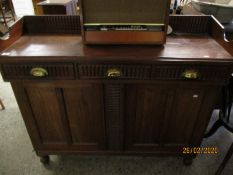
(200, 150)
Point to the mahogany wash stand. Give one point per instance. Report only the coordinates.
(115, 99)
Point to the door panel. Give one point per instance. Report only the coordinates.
(84, 105)
(186, 105)
(145, 112)
(49, 113)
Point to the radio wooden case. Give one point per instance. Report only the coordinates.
(124, 21)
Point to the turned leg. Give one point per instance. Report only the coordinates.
(187, 161)
(44, 159)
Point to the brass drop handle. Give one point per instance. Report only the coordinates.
(38, 72)
(190, 74)
(113, 73)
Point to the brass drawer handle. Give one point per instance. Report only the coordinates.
(38, 72)
(190, 74)
(113, 72)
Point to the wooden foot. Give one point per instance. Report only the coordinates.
(187, 161)
(44, 160)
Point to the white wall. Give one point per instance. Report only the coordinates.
(23, 7)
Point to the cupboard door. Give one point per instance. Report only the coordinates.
(162, 117)
(191, 110)
(84, 105)
(49, 114)
(145, 112)
(185, 111)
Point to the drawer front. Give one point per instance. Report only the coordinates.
(88, 71)
(28, 71)
(155, 72)
(208, 73)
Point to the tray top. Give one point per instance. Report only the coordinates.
(189, 47)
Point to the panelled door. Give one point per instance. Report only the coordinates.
(64, 115)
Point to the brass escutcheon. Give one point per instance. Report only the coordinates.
(113, 72)
(191, 74)
(38, 72)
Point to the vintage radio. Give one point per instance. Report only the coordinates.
(124, 21)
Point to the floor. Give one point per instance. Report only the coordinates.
(18, 157)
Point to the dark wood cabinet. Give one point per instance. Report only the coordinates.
(79, 99)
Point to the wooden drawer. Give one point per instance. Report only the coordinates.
(171, 72)
(53, 71)
(96, 71)
(156, 72)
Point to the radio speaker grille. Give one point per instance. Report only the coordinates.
(124, 11)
